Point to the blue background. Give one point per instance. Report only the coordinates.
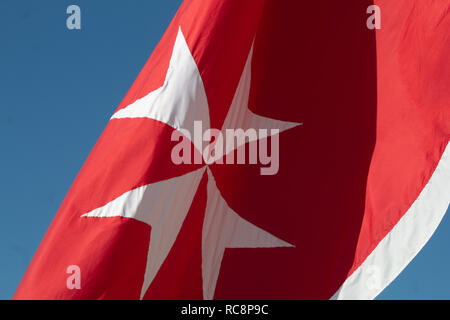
(58, 89)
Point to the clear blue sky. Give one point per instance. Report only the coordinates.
(58, 89)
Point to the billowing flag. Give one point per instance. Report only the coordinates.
(341, 178)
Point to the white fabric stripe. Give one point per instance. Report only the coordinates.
(405, 240)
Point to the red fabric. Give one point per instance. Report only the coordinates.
(376, 121)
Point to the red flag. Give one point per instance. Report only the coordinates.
(361, 183)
